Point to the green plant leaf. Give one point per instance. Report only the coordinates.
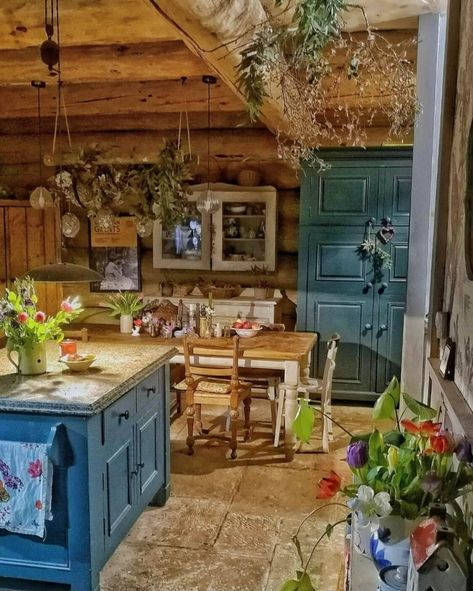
(408, 510)
(291, 585)
(376, 446)
(304, 422)
(384, 407)
(420, 410)
(394, 389)
(394, 438)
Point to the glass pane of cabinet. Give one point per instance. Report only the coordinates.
(185, 245)
(245, 230)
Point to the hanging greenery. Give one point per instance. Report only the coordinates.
(149, 191)
(319, 69)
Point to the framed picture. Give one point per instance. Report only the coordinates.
(447, 362)
(115, 255)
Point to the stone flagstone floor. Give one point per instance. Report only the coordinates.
(228, 524)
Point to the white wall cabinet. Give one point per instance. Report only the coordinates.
(243, 228)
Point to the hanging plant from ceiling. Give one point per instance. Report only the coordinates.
(333, 84)
(148, 191)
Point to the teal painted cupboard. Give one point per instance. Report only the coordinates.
(363, 193)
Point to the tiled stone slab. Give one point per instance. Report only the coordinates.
(249, 535)
(139, 567)
(182, 522)
(207, 474)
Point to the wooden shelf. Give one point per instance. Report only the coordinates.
(244, 239)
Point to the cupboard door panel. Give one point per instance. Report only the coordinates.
(397, 194)
(119, 490)
(342, 194)
(150, 453)
(339, 298)
(389, 342)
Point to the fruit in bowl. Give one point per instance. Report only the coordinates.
(245, 328)
(77, 362)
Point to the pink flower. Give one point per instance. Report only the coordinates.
(40, 317)
(22, 317)
(66, 306)
(35, 469)
(137, 322)
(38, 505)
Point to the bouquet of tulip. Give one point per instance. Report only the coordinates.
(25, 325)
(402, 471)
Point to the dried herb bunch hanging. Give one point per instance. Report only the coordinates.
(148, 191)
(333, 84)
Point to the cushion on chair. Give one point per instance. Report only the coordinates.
(211, 386)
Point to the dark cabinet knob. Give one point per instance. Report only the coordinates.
(369, 285)
(372, 220)
(387, 220)
(383, 327)
(125, 415)
(383, 288)
(141, 465)
(134, 472)
(151, 390)
(368, 326)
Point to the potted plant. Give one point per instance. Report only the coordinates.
(263, 289)
(27, 329)
(125, 305)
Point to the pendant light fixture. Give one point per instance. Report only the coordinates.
(64, 273)
(208, 202)
(40, 198)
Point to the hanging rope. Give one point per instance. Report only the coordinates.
(183, 81)
(60, 97)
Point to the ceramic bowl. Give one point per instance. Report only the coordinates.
(245, 333)
(78, 364)
(237, 208)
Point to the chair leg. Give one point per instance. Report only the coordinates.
(234, 426)
(281, 401)
(190, 412)
(329, 422)
(198, 418)
(272, 403)
(227, 419)
(246, 410)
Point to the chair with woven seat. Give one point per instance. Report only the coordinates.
(314, 386)
(214, 385)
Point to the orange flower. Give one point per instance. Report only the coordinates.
(38, 505)
(424, 429)
(442, 443)
(328, 486)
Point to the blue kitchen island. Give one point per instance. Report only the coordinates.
(107, 431)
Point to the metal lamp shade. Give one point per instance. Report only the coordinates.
(64, 273)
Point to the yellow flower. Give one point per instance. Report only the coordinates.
(393, 457)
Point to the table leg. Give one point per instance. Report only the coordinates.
(291, 379)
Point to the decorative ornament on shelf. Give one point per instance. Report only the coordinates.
(40, 198)
(104, 219)
(144, 226)
(208, 202)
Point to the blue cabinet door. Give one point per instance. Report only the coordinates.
(346, 193)
(339, 298)
(150, 450)
(119, 496)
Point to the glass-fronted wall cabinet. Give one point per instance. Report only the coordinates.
(244, 232)
(186, 245)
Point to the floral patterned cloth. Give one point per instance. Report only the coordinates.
(26, 476)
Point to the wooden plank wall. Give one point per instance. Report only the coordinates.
(29, 238)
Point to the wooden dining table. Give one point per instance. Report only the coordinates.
(286, 351)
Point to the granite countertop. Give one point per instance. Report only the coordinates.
(118, 368)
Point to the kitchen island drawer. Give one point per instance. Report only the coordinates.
(119, 418)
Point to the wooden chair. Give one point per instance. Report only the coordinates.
(315, 387)
(214, 385)
(81, 334)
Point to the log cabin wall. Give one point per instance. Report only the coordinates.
(123, 91)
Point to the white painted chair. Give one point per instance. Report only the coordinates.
(314, 386)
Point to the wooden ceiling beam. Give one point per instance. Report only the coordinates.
(160, 60)
(119, 98)
(83, 22)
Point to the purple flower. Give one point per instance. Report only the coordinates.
(357, 454)
(431, 483)
(464, 451)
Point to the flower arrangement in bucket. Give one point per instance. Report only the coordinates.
(125, 305)
(398, 476)
(27, 329)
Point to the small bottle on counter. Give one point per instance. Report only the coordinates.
(218, 330)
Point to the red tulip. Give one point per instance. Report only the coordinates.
(328, 486)
(22, 317)
(40, 317)
(442, 443)
(424, 429)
